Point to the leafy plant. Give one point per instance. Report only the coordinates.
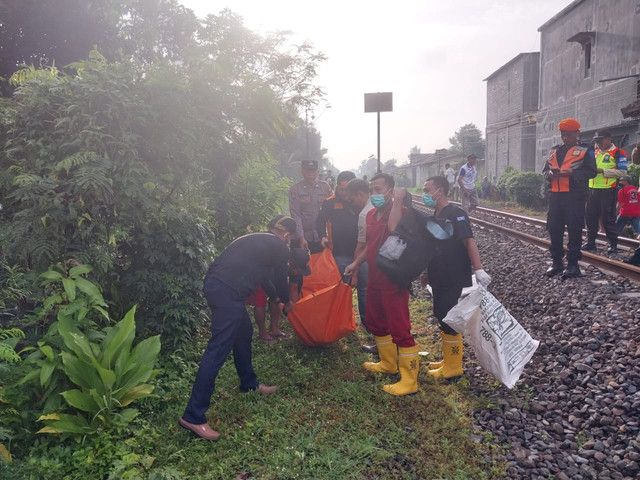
(14, 286)
(72, 297)
(8, 340)
(110, 376)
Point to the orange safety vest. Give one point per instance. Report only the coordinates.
(572, 160)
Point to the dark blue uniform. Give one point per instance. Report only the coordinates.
(250, 261)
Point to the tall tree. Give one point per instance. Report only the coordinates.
(41, 32)
(467, 140)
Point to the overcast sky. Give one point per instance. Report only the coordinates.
(432, 54)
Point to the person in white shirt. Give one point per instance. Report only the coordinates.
(450, 174)
(467, 181)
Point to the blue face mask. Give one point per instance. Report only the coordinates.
(378, 200)
(428, 200)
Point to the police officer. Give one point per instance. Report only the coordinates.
(611, 163)
(305, 201)
(568, 169)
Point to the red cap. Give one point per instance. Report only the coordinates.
(569, 125)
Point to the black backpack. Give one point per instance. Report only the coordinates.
(408, 250)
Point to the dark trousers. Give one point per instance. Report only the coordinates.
(231, 329)
(342, 262)
(566, 209)
(444, 299)
(314, 247)
(601, 204)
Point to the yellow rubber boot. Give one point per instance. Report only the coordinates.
(388, 352)
(452, 357)
(409, 362)
(436, 365)
(440, 364)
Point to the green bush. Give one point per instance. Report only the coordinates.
(524, 188)
(634, 173)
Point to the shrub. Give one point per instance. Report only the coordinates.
(524, 188)
(634, 173)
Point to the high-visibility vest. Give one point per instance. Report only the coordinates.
(572, 160)
(604, 160)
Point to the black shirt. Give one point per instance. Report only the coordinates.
(251, 261)
(344, 225)
(451, 266)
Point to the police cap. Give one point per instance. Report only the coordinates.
(283, 223)
(309, 165)
(602, 134)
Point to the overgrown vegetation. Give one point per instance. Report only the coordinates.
(329, 419)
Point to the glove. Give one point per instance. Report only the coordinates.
(482, 277)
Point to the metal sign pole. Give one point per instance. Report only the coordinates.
(379, 169)
(378, 102)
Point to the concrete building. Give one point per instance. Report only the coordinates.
(512, 102)
(590, 70)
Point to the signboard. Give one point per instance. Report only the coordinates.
(378, 102)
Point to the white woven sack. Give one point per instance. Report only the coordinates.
(502, 346)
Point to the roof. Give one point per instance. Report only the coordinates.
(428, 158)
(560, 14)
(510, 62)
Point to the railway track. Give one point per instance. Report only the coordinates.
(607, 265)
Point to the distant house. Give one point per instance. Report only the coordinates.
(422, 166)
(512, 102)
(590, 70)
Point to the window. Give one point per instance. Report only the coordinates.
(587, 60)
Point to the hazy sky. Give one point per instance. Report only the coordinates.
(433, 56)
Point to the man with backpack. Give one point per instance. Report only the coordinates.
(450, 271)
(387, 304)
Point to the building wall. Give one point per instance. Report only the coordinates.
(569, 89)
(512, 98)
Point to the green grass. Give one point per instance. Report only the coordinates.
(329, 419)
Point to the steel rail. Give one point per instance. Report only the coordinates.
(622, 241)
(630, 243)
(605, 264)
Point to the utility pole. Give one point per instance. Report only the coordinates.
(306, 127)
